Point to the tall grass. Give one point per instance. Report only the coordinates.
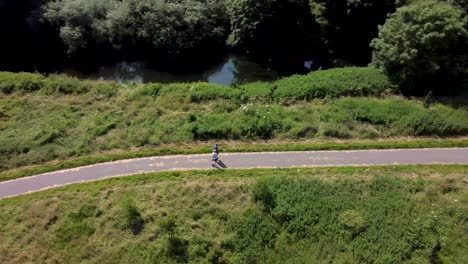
(374, 221)
(35, 129)
(394, 214)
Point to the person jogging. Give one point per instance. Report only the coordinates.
(215, 156)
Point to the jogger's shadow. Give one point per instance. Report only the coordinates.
(219, 165)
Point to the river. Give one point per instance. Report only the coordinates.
(231, 69)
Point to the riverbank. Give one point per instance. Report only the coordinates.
(57, 118)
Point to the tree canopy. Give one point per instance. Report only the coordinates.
(423, 44)
(347, 26)
(173, 26)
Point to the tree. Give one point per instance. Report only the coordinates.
(347, 26)
(422, 45)
(169, 25)
(247, 18)
(278, 32)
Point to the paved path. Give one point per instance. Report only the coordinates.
(236, 161)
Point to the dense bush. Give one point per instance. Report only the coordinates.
(364, 221)
(350, 81)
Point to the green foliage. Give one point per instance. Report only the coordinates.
(423, 45)
(364, 221)
(247, 17)
(271, 28)
(352, 221)
(200, 92)
(130, 217)
(79, 224)
(351, 81)
(257, 91)
(400, 115)
(254, 233)
(53, 84)
(23, 81)
(347, 27)
(171, 26)
(168, 226)
(177, 249)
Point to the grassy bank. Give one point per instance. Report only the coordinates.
(36, 129)
(236, 146)
(413, 214)
(58, 118)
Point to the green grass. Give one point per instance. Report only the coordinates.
(390, 214)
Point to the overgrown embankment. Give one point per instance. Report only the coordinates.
(57, 117)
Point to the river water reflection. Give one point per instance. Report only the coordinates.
(232, 69)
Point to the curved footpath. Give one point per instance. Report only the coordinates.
(235, 161)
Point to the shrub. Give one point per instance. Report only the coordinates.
(168, 226)
(149, 89)
(130, 218)
(398, 116)
(352, 221)
(261, 193)
(65, 85)
(74, 230)
(176, 248)
(441, 121)
(257, 91)
(254, 233)
(207, 91)
(53, 84)
(335, 130)
(351, 81)
(25, 82)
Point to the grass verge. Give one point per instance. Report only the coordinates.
(231, 147)
(396, 214)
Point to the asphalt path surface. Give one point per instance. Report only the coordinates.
(235, 161)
